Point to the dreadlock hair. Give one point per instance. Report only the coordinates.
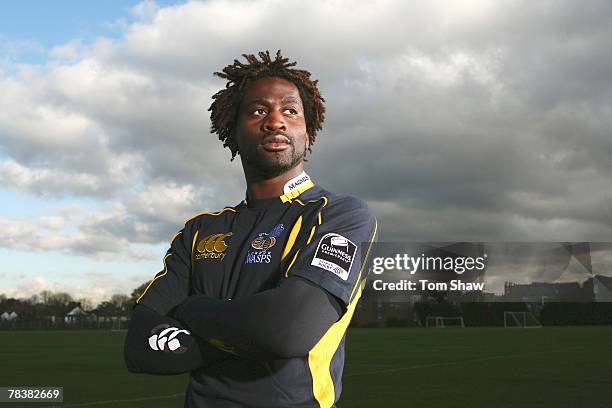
(226, 102)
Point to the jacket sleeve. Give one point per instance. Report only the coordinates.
(283, 322)
(170, 286)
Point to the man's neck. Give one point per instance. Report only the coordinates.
(259, 188)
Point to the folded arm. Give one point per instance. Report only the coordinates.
(283, 322)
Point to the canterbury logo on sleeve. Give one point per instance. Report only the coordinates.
(167, 340)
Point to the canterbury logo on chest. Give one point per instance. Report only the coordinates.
(212, 246)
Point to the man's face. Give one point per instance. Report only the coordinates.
(271, 127)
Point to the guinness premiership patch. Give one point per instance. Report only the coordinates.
(335, 253)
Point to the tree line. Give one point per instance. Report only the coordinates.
(48, 303)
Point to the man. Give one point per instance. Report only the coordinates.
(254, 300)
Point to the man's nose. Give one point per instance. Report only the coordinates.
(274, 122)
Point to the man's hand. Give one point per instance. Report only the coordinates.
(157, 344)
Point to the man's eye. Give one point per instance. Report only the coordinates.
(259, 111)
(291, 111)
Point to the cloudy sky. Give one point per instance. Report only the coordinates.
(474, 120)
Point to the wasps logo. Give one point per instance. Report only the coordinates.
(212, 246)
(266, 241)
(262, 243)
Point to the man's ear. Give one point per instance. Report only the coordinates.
(307, 142)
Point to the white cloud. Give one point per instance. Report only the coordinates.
(114, 229)
(145, 10)
(58, 182)
(70, 51)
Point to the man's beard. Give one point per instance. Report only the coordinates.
(268, 164)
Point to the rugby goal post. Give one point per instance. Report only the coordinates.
(119, 323)
(441, 322)
(521, 320)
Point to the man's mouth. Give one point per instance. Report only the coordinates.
(275, 143)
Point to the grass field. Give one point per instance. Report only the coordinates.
(473, 367)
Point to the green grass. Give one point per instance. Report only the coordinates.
(480, 367)
(474, 367)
